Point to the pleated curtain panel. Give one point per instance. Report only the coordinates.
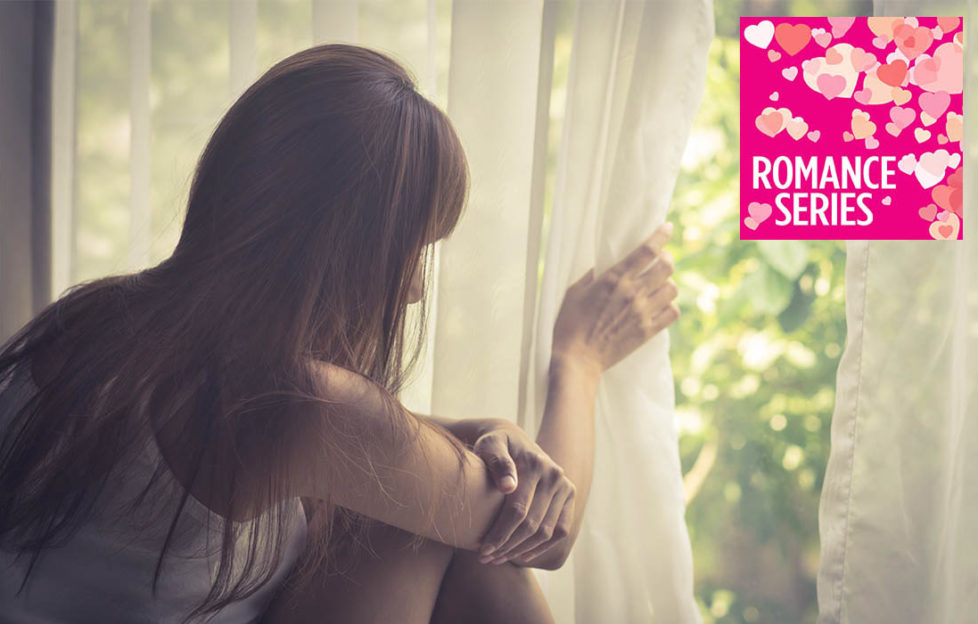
(898, 518)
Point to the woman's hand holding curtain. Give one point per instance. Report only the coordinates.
(601, 320)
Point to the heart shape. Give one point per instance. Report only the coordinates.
(861, 59)
(792, 37)
(774, 56)
(912, 41)
(830, 86)
(841, 25)
(893, 129)
(941, 139)
(758, 211)
(947, 24)
(823, 38)
(880, 42)
(751, 223)
(934, 104)
(796, 127)
(774, 96)
(892, 73)
(847, 136)
(921, 135)
(883, 26)
(872, 143)
(907, 163)
(945, 230)
(833, 56)
(928, 212)
(790, 73)
(925, 70)
(902, 117)
(887, 200)
(814, 136)
(863, 96)
(772, 121)
(901, 96)
(760, 34)
(862, 127)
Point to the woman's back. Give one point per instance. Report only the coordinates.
(104, 572)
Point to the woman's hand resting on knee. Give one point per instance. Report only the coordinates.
(540, 502)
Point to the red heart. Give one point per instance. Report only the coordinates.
(892, 73)
(942, 196)
(956, 179)
(912, 41)
(957, 201)
(792, 38)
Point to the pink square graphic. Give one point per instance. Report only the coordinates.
(851, 128)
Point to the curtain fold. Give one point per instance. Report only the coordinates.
(26, 50)
(636, 79)
(898, 510)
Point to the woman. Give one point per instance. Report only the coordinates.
(161, 428)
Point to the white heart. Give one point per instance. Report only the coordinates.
(790, 73)
(761, 34)
(926, 178)
(907, 163)
(955, 160)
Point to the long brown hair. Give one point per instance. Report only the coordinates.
(311, 208)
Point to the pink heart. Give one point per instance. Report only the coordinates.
(790, 73)
(925, 71)
(893, 129)
(847, 136)
(941, 139)
(841, 25)
(947, 24)
(887, 201)
(862, 60)
(943, 215)
(863, 96)
(902, 117)
(758, 211)
(811, 65)
(774, 56)
(880, 42)
(872, 143)
(814, 135)
(928, 212)
(823, 39)
(831, 86)
(751, 223)
(907, 163)
(934, 104)
(774, 96)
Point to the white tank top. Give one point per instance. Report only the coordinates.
(105, 570)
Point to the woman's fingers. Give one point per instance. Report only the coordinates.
(543, 500)
(545, 532)
(511, 515)
(494, 451)
(641, 256)
(561, 531)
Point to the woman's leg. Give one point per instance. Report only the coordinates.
(395, 583)
(478, 593)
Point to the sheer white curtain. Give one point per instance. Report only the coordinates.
(637, 72)
(899, 508)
